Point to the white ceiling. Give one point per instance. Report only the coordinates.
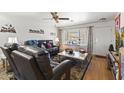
(75, 17)
(84, 17)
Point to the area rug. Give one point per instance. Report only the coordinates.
(5, 75)
(75, 72)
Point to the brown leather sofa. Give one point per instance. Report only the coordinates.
(34, 64)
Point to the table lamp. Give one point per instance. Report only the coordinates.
(12, 40)
(57, 41)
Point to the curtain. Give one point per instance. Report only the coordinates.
(59, 35)
(90, 40)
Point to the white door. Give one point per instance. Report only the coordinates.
(102, 38)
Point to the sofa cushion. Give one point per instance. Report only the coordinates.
(50, 41)
(43, 46)
(31, 43)
(40, 42)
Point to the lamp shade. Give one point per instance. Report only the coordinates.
(12, 40)
(57, 39)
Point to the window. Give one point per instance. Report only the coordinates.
(76, 36)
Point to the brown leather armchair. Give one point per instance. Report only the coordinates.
(34, 64)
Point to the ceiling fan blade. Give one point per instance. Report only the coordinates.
(63, 18)
(47, 19)
(53, 14)
(56, 17)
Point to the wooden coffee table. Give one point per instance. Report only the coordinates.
(77, 57)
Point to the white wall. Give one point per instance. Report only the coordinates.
(122, 19)
(104, 35)
(23, 23)
(102, 38)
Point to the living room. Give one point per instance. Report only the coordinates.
(65, 46)
(78, 41)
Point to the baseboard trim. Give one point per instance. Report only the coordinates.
(100, 56)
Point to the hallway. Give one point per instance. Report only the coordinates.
(97, 70)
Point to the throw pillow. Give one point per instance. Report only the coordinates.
(43, 46)
(49, 45)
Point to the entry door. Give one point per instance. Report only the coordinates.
(102, 38)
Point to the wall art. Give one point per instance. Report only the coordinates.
(36, 31)
(8, 28)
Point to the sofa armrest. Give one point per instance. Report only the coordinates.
(63, 68)
(55, 46)
(53, 64)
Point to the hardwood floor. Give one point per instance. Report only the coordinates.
(97, 70)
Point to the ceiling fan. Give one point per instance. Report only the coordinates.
(56, 17)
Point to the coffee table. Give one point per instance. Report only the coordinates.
(77, 57)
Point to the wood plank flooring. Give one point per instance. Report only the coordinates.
(97, 70)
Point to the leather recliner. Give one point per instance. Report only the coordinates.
(34, 64)
(7, 52)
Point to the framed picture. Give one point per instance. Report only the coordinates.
(36, 31)
(8, 28)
